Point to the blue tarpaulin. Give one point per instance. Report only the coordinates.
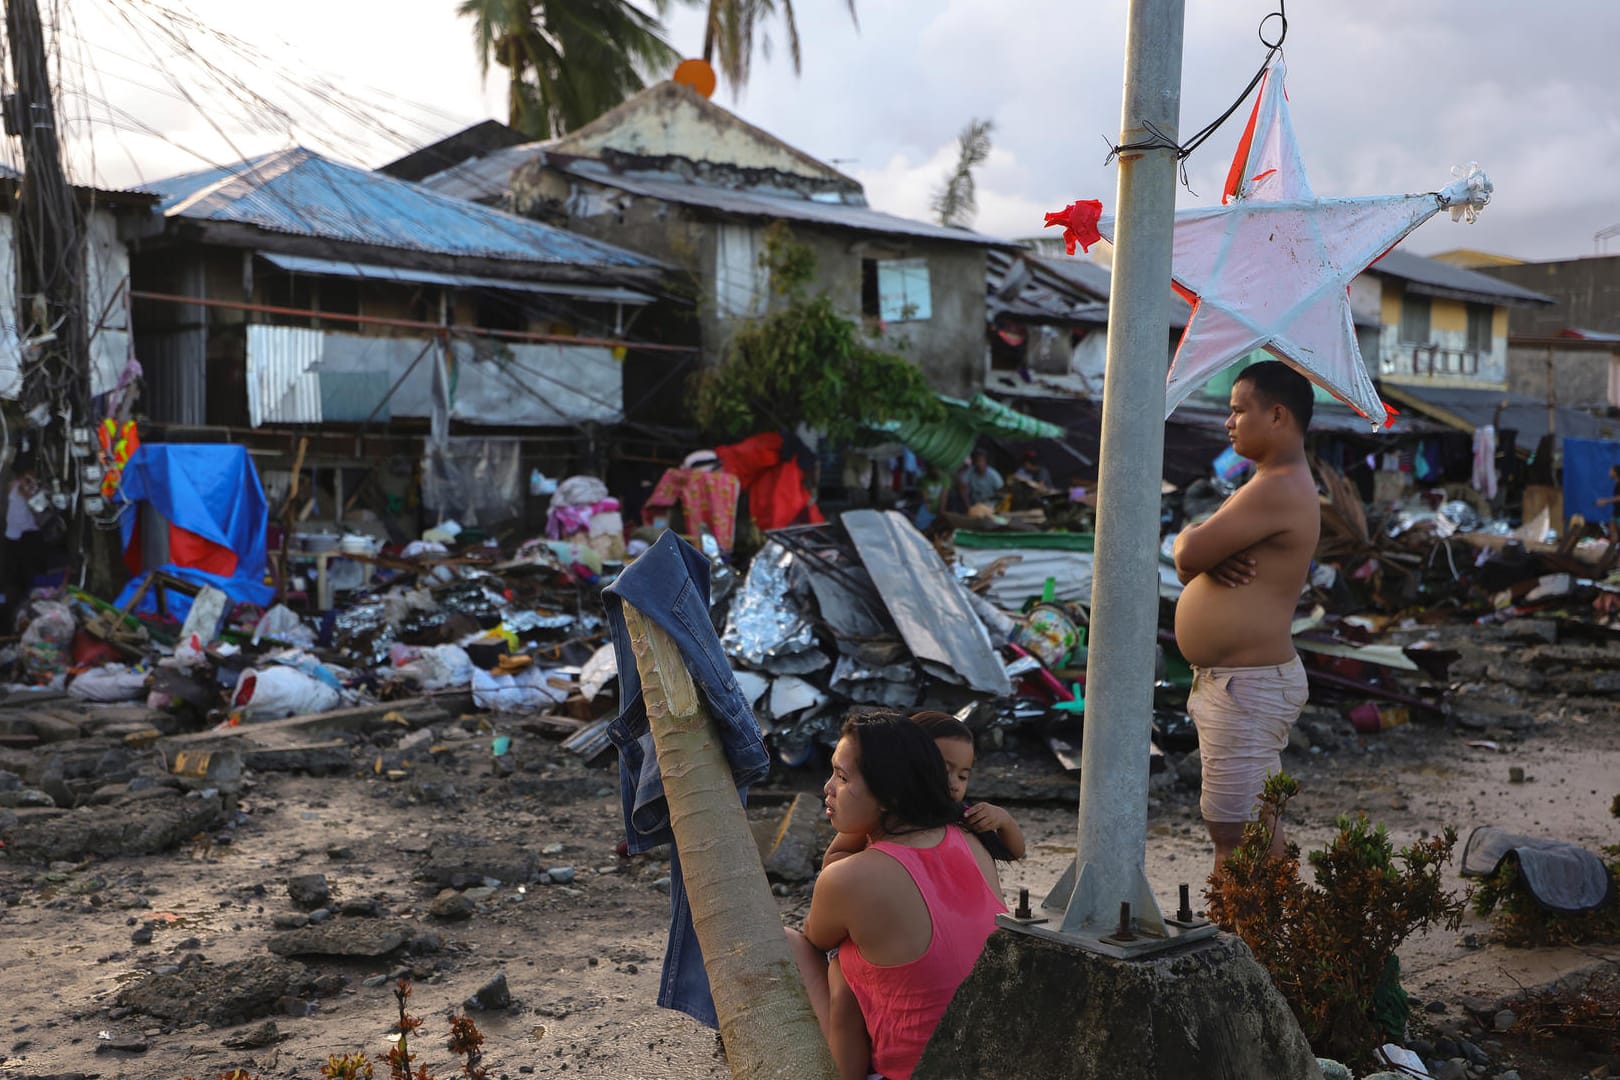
(1586, 477)
(217, 516)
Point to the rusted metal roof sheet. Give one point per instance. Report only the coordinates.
(299, 264)
(300, 193)
(755, 203)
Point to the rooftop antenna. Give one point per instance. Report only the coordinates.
(1602, 235)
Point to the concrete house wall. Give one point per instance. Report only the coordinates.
(668, 131)
(1445, 357)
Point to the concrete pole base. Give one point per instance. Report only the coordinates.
(1038, 1009)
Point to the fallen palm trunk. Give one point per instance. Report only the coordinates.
(764, 1011)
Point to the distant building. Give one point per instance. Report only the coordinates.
(675, 176)
(1571, 351)
(110, 219)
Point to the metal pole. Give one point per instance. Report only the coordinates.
(1114, 760)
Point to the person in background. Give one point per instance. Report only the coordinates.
(24, 547)
(1033, 472)
(979, 483)
(1613, 503)
(931, 491)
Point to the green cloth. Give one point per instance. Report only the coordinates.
(947, 443)
(1039, 541)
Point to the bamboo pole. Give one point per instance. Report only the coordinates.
(765, 1017)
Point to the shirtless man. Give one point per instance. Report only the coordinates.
(1243, 569)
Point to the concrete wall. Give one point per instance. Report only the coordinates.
(1445, 358)
(669, 121)
(1583, 378)
(1587, 290)
(948, 346)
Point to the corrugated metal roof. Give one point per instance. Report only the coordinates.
(751, 203)
(300, 193)
(1093, 279)
(1439, 275)
(1469, 409)
(298, 264)
(1022, 289)
(484, 178)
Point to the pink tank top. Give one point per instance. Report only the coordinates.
(903, 1003)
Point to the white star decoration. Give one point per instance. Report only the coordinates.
(1272, 267)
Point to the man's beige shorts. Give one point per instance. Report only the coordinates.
(1243, 715)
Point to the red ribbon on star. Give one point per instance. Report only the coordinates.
(1079, 221)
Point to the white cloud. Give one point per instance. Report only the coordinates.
(1387, 96)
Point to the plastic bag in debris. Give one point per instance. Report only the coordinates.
(417, 548)
(281, 623)
(52, 624)
(110, 682)
(439, 667)
(1456, 517)
(277, 690)
(526, 691)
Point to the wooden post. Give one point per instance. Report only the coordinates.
(765, 1016)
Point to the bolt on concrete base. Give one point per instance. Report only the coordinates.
(1036, 1008)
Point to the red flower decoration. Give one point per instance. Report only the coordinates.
(1079, 221)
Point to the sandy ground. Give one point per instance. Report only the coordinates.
(582, 958)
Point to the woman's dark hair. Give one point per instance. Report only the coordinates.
(942, 725)
(903, 770)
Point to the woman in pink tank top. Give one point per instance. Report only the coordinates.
(909, 915)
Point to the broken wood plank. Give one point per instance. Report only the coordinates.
(418, 712)
(318, 758)
(550, 724)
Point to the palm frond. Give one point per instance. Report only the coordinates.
(956, 201)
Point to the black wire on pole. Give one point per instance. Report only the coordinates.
(1161, 141)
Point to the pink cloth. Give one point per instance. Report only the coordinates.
(564, 521)
(903, 1003)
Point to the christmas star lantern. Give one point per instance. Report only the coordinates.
(1271, 267)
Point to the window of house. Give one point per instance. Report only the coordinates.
(1479, 328)
(1415, 319)
(339, 296)
(500, 311)
(896, 290)
(741, 280)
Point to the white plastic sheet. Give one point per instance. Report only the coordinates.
(528, 691)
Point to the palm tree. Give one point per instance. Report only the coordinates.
(728, 37)
(955, 202)
(567, 61)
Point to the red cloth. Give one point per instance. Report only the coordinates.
(186, 549)
(903, 1003)
(776, 494)
(705, 497)
(1079, 221)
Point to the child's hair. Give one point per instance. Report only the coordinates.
(942, 725)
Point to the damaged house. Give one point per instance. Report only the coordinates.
(111, 219)
(676, 176)
(295, 297)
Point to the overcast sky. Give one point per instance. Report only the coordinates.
(1387, 96)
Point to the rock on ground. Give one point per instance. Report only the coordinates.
(221, 995)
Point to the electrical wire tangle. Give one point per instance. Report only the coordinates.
(1162, 141)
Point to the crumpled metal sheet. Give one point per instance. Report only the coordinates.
(522, 622)
(926, 601)
(895, 686)
(764, 628)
